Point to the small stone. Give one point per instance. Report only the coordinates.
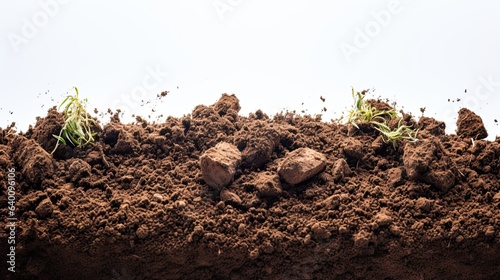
(340, 170)
(142, 232)
(220, 205)
(254, 254)
(490, 231)
(241, 229)
(44, 208)
(229, 197)
(267, 247)
(219, 165)
(180, 204)
(332, 202)
(300, 165)
(158, 197)
(307, 240)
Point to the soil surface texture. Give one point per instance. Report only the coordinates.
(217, 195)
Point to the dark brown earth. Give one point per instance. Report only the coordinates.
(135, 206)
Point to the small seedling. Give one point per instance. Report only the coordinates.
(77, 123)
(364, 112)
(396, 135)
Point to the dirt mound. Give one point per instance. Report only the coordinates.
(306, 200)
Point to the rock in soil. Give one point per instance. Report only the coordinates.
(230, 197)
(300, 165)
(45, 208)
(219, 165)
(136, 205)
(340, 170)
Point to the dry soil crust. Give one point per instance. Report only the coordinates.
(135, 205)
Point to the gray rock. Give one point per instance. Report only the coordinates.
(219, 164)
(300, 165)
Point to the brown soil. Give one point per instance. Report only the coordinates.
(135, 206)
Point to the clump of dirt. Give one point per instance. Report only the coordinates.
(135, 205)
(470, 125)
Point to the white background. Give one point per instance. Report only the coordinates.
(274, 55)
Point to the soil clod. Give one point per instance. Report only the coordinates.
(219, 165)
(470, 125)
(300, 165)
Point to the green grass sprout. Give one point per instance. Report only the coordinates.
(363, 112)
(77, 123)
(396, 135)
